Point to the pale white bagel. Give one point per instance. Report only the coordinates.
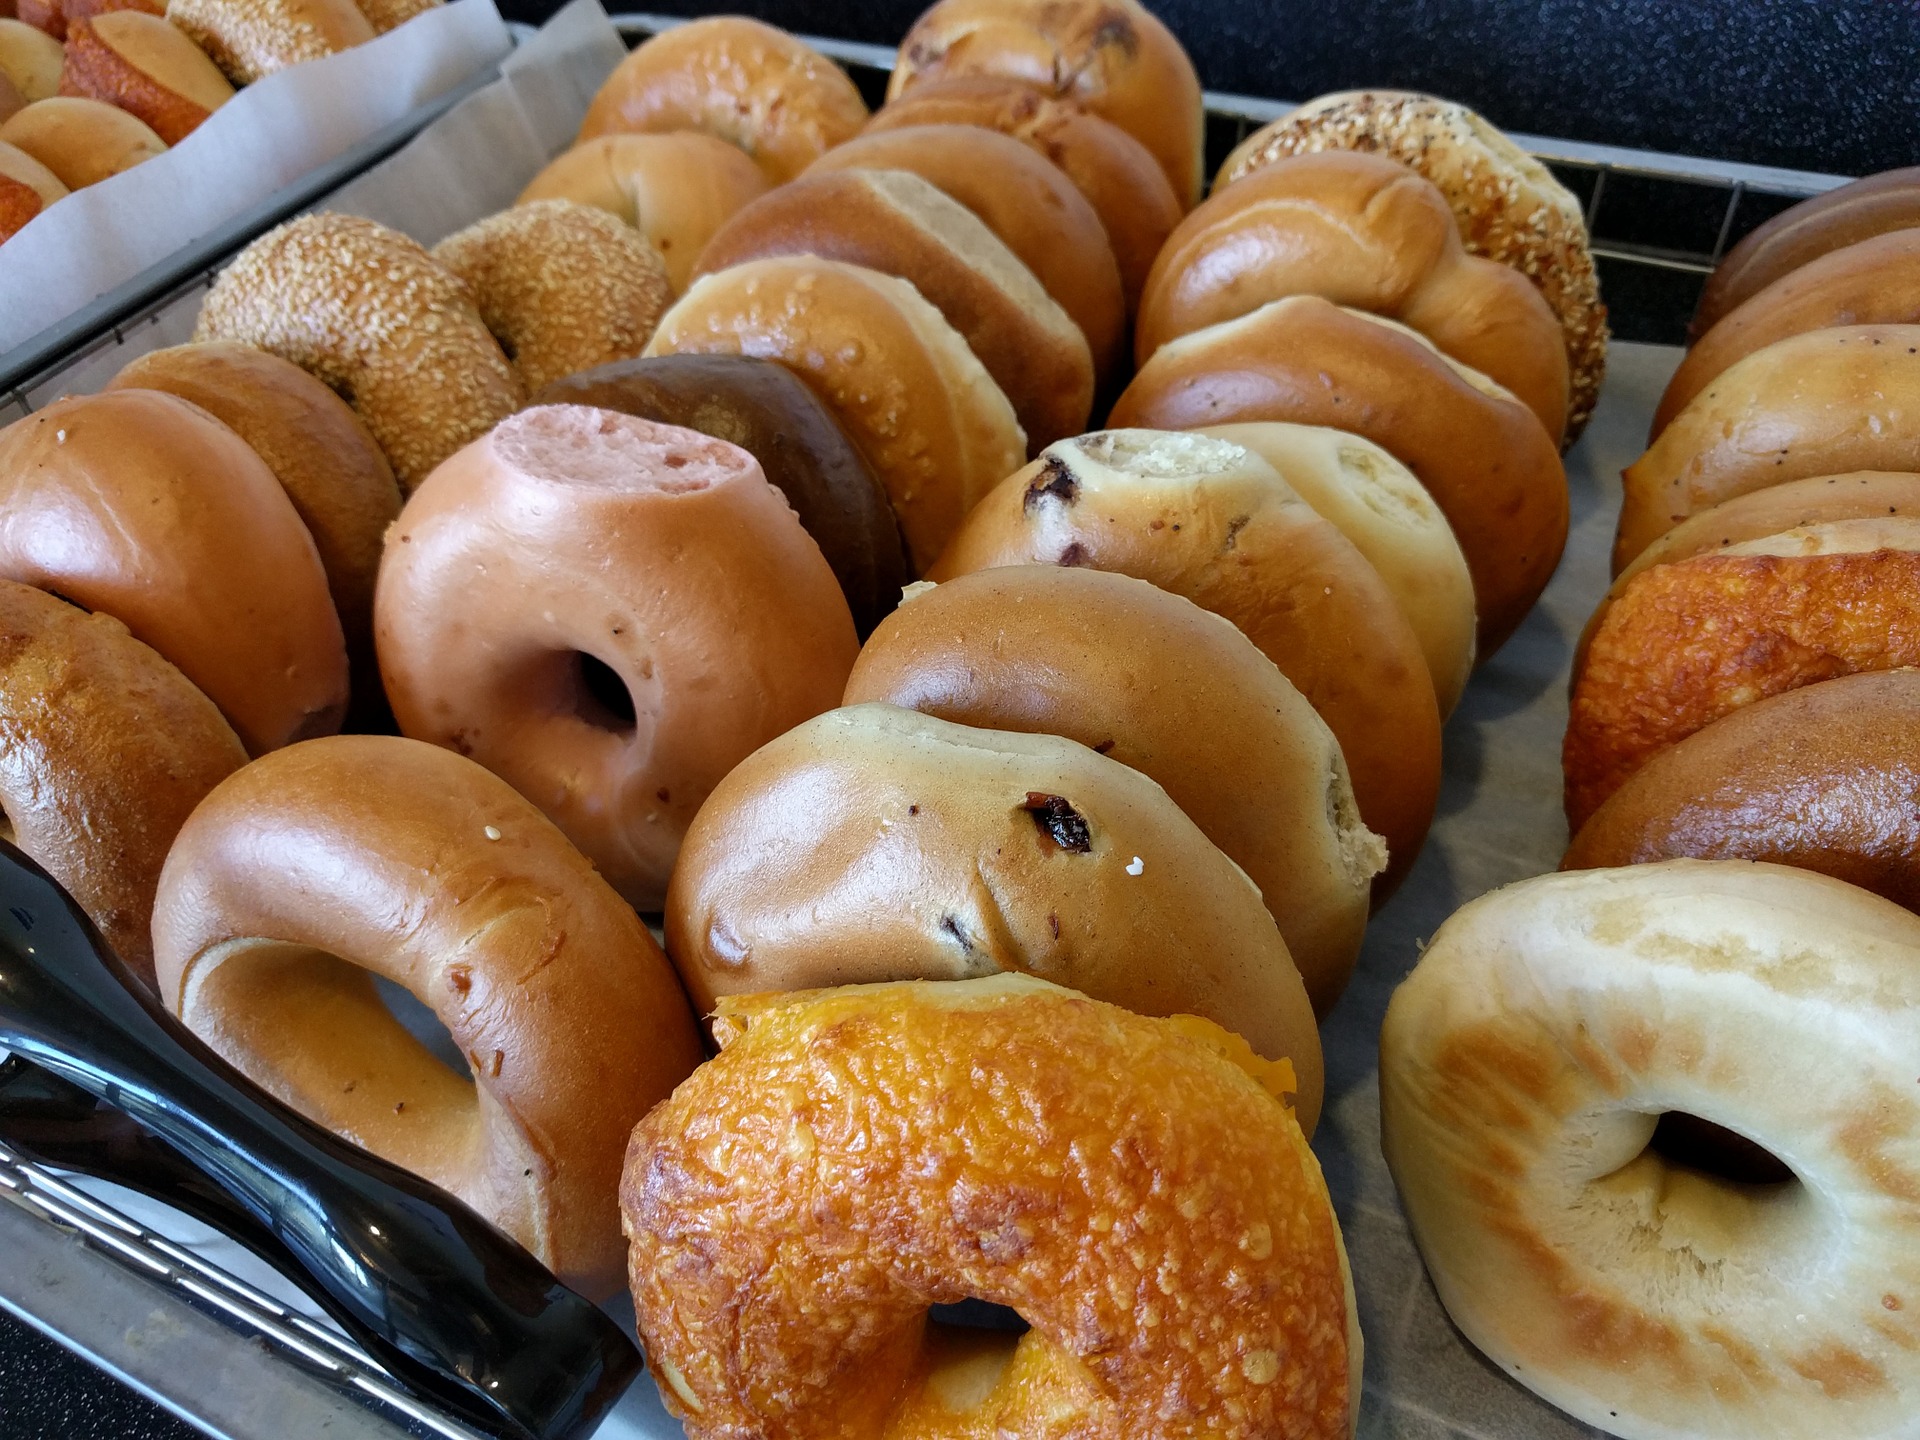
(1522, 1067)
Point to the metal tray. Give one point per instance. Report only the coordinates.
(198, 1325)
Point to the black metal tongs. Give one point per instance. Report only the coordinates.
(456, 1310)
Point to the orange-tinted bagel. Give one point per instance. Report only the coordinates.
(1128, 1185)
(1215, 523)
(147, 67)
(1509, 206)
(385, 15)
(251, 39)
(1149, 679)
(26, 188)
(1876, 282)
(895, 222)
(31, 59)
(747, 83)
(1689, 642)
(367, 310)
(1479, 452)
(1112, 56)
(1119, 176)
(1363, 231)
(145, 507)
(898, 378)
(675, 189)
(663, 556)
(1841, 217)
(874, 843)
(1826, 402)
(310, 872)
(562, 286)
(769, 412)
(1025, 200)
(11, 101)
(105, 749)
(81, 141)
(1822, 778)
(339, 482)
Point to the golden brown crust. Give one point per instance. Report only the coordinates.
(368, 853)
(1482, 456)
(1686, 643)
(146, 67)
(250, 39)
(369, 312)
(26, 188)
(1841, 217)
(1827, 402)
(140, 505)
(1112, 56)
(81, 141)
(750, 84)
(1363, 231)
(899, 224)
(105, 749)
(1187, 1169)
(675, 189)
(1508, 206)
(1149, 679)
(11, 103)
(1024, 199)
(385, 15)
(1211, 521)
(340, 484)
(31, 59)
(1119, 176)
(562, 286)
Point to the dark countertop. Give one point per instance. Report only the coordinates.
(49, 1392)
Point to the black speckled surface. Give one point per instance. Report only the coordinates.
(51, 1394)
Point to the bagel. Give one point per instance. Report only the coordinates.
(1876, 282)
(1843, 216)
(372, 314)
(675, 189)
(1509, 206)
(30, 58)
(340, 484)
(385, 15)
(895, 222)
(874, 843)
(1149, 679)
(144, 507)
(1027, 202)
(747, 83)
(898, 378)
(105, 749)
(1112, 56)
(1821, 778)
(1687, 643)
(769, 412)
(1215, 523)
(147, 67)
(1362, 231)
(309, 873)
(251, 39)
(1525, 1067)
(1479, 452)
(1827, 402)
(663, 557)
(81, 141)
(1133, 1187)
(561, 286)
(26, 188)
(1119, 176)
(1375, 501)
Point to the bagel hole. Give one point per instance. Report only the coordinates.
(603, 697)
(1692, 1143)
(419, 1021)
(971, 1314)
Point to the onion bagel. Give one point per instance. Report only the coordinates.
(1363, 231)
(1479, 452)
(874, 843)
(1592, 1252)
(105, 749)
(324, 865)
(1182, 1272)
(1151, 680)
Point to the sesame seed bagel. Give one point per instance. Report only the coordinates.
(26, 188)
(1136, 1189)
(874, 843)
(750, 84)
(1507, 204)
(377, 318)
(385, 15)
(147, 67)
(250, 39)
(105, 749)
(562, 286)
(675, 189)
